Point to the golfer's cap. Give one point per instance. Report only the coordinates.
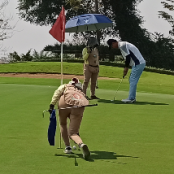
(74, 80)
(110, 41)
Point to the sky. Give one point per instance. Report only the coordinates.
(30, 36)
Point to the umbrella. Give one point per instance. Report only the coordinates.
(87, 22)
(52, 128)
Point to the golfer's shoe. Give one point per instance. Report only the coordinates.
(68, 150)
(85, 151)
(88, 98)
(128, 101)
(94, 97)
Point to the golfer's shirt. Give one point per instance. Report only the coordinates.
(131, 54)
(57, 94)
(91, 58)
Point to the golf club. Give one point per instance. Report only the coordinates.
(70, 107)
(118, 88)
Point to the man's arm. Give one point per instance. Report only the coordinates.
(57, 94)
(85, 54)
(127, 62)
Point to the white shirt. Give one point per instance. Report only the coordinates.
(127, 48)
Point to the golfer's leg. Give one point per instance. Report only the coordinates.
(75, 121)
(63, 115)
(133, 80)
(87, 76)
(94, 77)
(74, 126)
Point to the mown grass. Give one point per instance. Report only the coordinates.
(135, 138)
(55, 67)
(123, 138)
(149, 82)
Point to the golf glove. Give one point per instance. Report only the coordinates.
(51, 108)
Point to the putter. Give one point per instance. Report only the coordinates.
(70, 107)
(118, 88)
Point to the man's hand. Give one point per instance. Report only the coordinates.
(51, 108)
(125, 71)
(89, 49)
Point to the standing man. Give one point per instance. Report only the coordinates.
(133, 58)
(91, 66)
(69, 95)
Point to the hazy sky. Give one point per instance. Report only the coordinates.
(28, 36)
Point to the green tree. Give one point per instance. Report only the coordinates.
(169, 5)
(27, 56)
(124, 14)
(14, 56)
(6, 29)
(46, 12)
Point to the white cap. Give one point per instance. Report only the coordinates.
(75, 81)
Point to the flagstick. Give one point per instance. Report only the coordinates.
(62, 63)
(61, 83)
(61, 79)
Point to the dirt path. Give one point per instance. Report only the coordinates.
(53, 76)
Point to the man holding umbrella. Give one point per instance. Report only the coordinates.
(89, 22)
(91, 66)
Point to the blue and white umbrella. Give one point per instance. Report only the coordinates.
(87, 22)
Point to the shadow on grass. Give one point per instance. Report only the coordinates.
(97, 155)
(105, 155)
(136, 103)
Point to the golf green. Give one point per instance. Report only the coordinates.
(123, 138)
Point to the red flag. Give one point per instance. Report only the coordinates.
(58, 29)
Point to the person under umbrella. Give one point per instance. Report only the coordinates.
(69, 95)
(91, 66)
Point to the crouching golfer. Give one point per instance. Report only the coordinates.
(70, 95)
(133, 58)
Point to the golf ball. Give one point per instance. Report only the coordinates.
(74, 147)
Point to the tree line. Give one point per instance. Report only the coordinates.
(157, 49)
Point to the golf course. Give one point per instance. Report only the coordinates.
(123, 138)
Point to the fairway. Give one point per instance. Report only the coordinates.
(123, 138)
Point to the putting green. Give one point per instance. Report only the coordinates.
(123, 138)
